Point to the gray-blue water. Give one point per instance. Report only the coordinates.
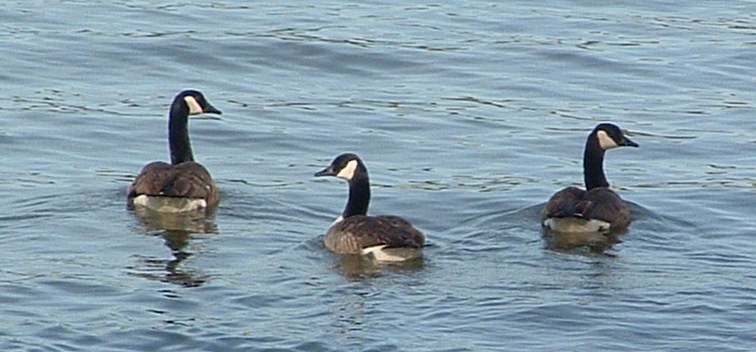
(469, 115)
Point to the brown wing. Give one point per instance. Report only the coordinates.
(354, 233)
(562, 204)
(187, 180)
(604, 204)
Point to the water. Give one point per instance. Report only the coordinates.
(469, 116)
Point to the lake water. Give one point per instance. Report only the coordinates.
(469, 115)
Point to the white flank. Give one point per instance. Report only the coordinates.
(605, 141)
(170, 204)
(379, 253)
(575, 225)
(348, 171)
(194, 106)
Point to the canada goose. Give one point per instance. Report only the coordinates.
(183, 185)
(383, 238)
(598, 208)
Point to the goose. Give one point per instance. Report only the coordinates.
(597, 208)
(183, 185)
(384, 238)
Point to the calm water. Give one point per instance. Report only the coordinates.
(468, 115)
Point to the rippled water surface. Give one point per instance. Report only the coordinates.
(469, 115)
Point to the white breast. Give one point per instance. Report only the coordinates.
(338, 220)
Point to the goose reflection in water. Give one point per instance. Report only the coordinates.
(587, 243)
(176, 230)
(358, 267)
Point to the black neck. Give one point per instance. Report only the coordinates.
(593, 164)
(359, 196)
(178, 134)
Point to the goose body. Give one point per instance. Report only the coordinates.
(183, 185)
(383, 238)
(597, 208)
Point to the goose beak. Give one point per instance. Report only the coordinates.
(325, 172)
(209, 109)
(628, 143)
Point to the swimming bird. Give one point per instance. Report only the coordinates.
(597, 208)
(382, 238)
(183, 185)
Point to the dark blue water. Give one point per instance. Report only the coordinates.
(468, 116)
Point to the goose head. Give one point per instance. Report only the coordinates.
(345, 166)
(195, 103)
(610, 136)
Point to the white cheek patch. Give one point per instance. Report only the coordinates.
(605, 141)
(348, 171)
(194, 106)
